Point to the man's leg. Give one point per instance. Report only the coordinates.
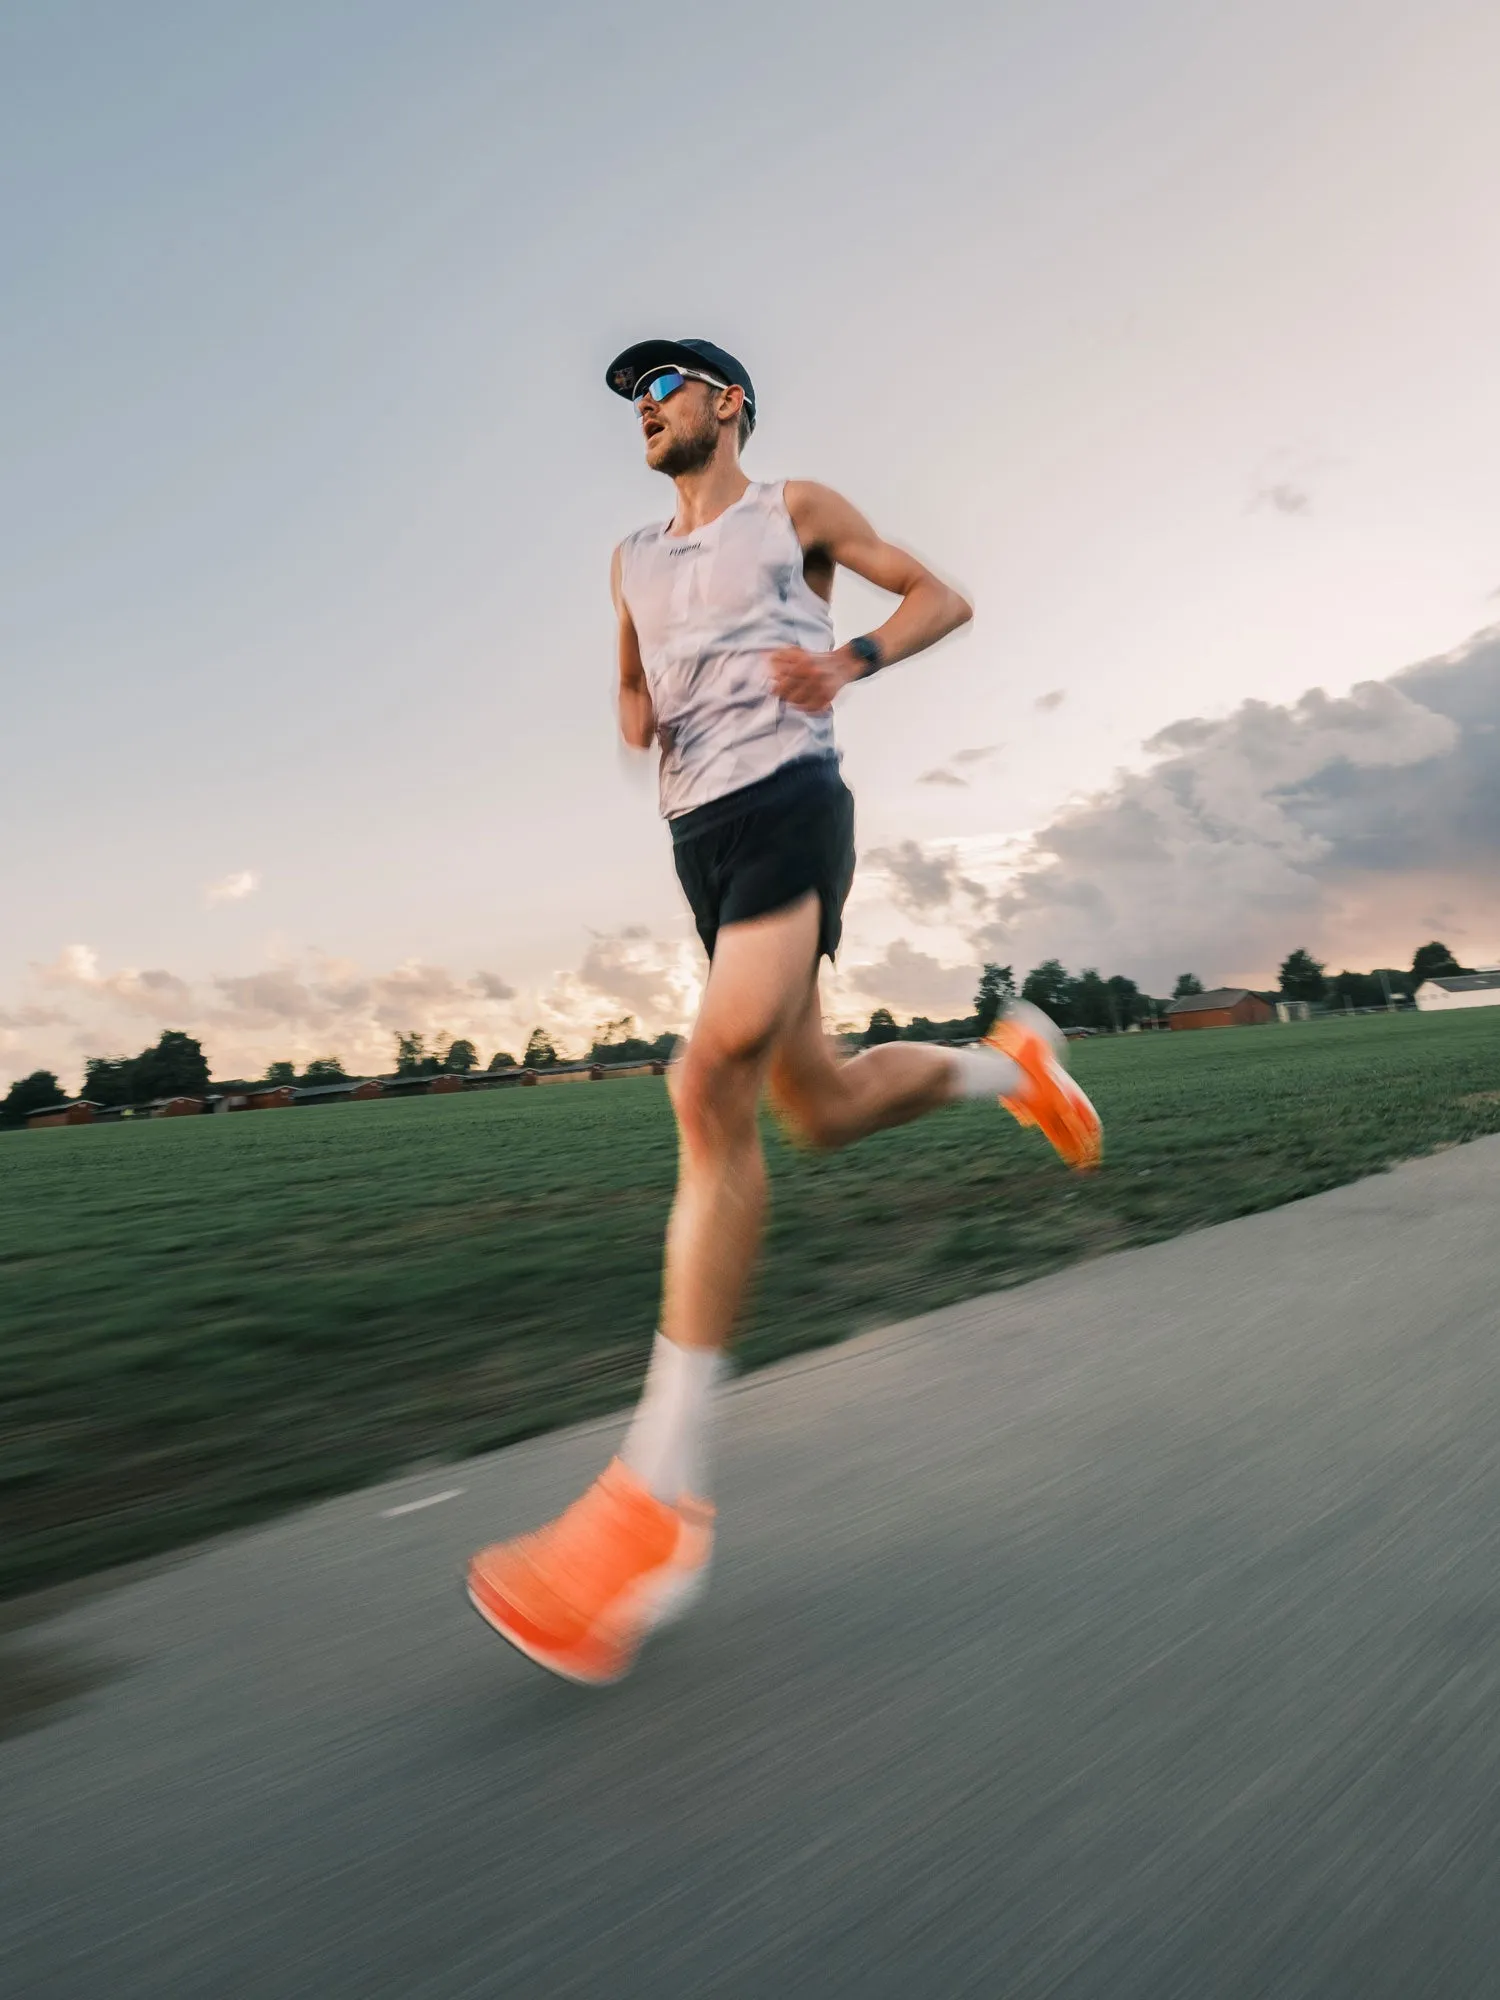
(581, 1594)
(761, 973)
(830, 1102)
(759, 984)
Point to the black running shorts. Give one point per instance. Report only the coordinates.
(758, 849)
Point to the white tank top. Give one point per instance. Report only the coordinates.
(707, 608)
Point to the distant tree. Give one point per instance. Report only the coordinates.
(280, 1073)
(109, 1080)
(1355, 989)
(540, 1053)
(920, 1029)
(882, 1028)
(1188, 983)
(31, 1093)
(996, 985)
(325, 1069)
(1433, 961)
(174, 1068)
(502, 1059)
(462, 1056)
(1127, 1002)
(411, 1054)
(1301, 976)
(634, 1049)
(1090, 1002)
(1046, 986)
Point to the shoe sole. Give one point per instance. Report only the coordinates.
(655, 1602)
(1084, 1158)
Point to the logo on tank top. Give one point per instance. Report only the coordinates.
(684, 548)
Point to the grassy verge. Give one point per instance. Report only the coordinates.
(203, 1320)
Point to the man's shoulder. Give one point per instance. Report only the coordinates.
(637, 538)
(649, 531)
(817, 512)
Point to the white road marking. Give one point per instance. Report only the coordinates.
(416, 1506)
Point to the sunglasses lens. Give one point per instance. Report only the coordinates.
(660, 386)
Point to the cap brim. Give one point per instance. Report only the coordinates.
(645, 358)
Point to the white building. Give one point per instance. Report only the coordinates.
(1460, 989)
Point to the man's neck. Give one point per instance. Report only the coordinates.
(703, 496)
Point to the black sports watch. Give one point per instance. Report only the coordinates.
(867, 651)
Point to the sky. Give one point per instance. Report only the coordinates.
(1166, 331)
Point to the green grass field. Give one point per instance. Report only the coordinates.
(207, 1319)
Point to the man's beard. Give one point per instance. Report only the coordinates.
(690, 453)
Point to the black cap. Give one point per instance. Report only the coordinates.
(647, 356)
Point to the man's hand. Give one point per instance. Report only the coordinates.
(810, 681)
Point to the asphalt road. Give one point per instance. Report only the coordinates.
(1133, 1634)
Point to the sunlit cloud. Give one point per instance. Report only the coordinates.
(233, 888)
(913, 981)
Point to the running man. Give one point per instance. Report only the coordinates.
(727, 662)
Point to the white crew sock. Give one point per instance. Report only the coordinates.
(666, 1446)
(985, 1072)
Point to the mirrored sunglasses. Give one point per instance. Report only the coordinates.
(657, 388)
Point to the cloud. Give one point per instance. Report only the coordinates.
(269, 999)
(914, 982)
(1330, 821)
(922, 879)
(943, 775)
(14, 1019)
(153, 993)
(1047, 702)
(1283, 497)
(232, 888)
(1357, 825)
(315, 1005)
(657, 980)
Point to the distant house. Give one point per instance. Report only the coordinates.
(1459, 989)
(1224, 1007)
(566, 1072)
(79, 1112)
(269, 1097)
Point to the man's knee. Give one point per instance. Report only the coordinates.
(713, 1090)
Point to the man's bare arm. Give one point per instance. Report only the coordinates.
(637, 716)
(827, 525)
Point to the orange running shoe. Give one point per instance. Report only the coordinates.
(1050, 1099)
(581, 1594)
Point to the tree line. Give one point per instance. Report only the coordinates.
(1111, 1006)
(175, 1066)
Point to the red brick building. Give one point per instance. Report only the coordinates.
(81, 1112)
(1224, 1007)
